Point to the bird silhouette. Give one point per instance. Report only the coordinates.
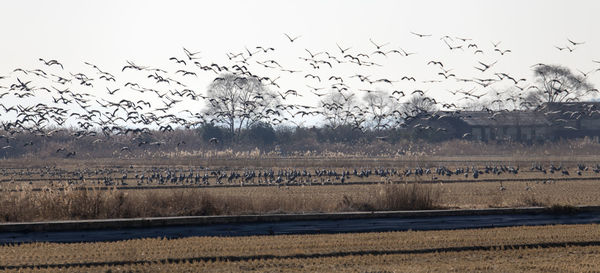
(378, 46)
(290, 38)
(51, 62)
(178, 60)
(575, 43)
(420, 35)
(342, 50)
(502, 52)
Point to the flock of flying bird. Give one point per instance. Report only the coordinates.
(139, 99)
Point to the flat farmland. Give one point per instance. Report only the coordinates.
(100, 189)
(449, 195)
(562, 248)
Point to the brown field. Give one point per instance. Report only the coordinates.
(74, 189)
(50, 193)
(85, 204)
(563, 248)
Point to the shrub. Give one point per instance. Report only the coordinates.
(407, 197)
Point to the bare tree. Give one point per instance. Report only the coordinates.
(239, 101)
(340, 109)
(558, 84)
(379, 109)
(419, 105)
(507, 99)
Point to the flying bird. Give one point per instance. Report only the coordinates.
(341, 49)
(265, 49)
(586, 74)
(51, 62)
(190, 54)
(501, 51)
(406, 54)
(377, 45)
(575, 43)
(446, 75)
(485, 66)
(398, 92)
(420, 92)
(313, 55)
(292, 39)
(435, 62)
(112, 92)
(313, 76)
(177, 60)
(420, 35)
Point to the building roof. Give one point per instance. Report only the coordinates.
(571, 110)
(581, 106)
(497, 119)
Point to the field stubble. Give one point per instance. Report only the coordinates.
(573, 248)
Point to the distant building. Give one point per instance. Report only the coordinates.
(509, 126)
(550, 122)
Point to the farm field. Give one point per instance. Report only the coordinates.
(570, 248)
(71, 190)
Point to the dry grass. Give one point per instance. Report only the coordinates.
(91, 204)
(512, 249)
(76, 204)
(465, 195)
(51, 204)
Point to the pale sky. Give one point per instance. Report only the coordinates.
(107, 33)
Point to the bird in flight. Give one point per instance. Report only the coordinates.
(292, 39)
(566, 47)
(463, 39)
(111, 92)
(420, 35)
(341, 49)
(502, 52)
(313, 55)
(406, 54)
(417, 91)
(436, 62)
(265, 49)
(376, 45)
(313, 76)
(177, 60)
(586, 74)
(575, 43)
(486, 66)
(51, 62)
(190, 54)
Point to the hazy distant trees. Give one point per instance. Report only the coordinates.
(261, 133)
(209, 130)
(418, 104)
(379, 109)
(239, 102)
(340, 109)
(558, 84)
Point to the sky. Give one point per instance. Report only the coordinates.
(109, 33)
